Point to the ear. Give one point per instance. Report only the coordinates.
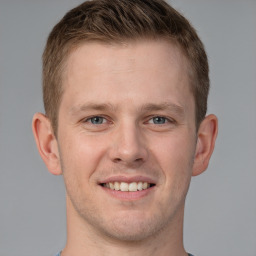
(206, 138)
(46, 143)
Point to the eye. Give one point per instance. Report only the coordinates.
(96, 120)
(158, 120)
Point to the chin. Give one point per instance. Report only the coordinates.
(134, 228)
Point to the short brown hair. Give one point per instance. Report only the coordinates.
(118, 21)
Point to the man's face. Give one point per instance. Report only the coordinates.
(127, 121)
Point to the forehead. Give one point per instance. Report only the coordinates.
(128, 54)
(149, 69)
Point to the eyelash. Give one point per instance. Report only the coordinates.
(87, 120)
(105, 120)
(166, 120)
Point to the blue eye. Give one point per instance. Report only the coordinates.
(159, 120)
(96, 120)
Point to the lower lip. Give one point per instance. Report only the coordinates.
(128, 196)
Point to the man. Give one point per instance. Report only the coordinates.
(125, 86)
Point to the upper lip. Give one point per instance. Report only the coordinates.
(128, 179)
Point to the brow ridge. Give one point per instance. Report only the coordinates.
(148, 107)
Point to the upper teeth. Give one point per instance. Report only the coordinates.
(123, 186)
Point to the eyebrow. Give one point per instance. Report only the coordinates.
(148, 107)
(92, 106)
(163, 106)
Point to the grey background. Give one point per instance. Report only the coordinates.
(220, 214)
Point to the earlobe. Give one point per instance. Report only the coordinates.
(46, 143)
(207, 134)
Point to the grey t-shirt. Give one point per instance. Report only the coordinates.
(60, 252)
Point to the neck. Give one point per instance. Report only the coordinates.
(83, 239)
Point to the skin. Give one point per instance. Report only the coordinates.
(145, 129)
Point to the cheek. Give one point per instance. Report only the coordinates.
(176, 150)
(81, 155)
(175, 156)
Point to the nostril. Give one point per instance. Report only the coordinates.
(116, 160)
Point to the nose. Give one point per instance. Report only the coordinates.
(128, 146)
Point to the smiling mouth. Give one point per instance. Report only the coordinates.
(127, 187)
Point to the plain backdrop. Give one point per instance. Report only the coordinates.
(220, 216)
